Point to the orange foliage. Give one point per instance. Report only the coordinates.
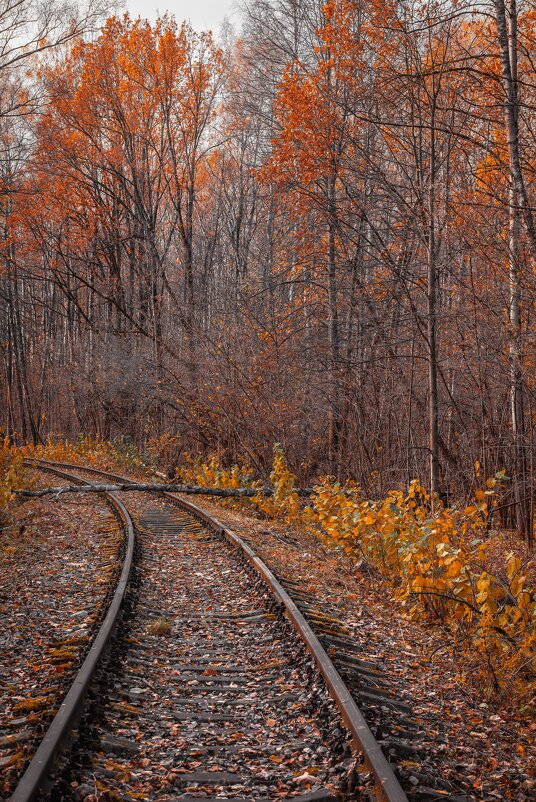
(124, 131)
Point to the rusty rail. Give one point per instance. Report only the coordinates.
(35, 776)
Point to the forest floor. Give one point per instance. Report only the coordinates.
(483, 744)
(478, 741)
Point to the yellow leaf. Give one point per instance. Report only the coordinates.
(516, 585)
(513, 565)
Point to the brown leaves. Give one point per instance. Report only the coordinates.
(32, 704)
(305, 778)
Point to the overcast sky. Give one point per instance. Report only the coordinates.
(202, 14)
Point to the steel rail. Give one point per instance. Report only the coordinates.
(387, 787)
(38, 770)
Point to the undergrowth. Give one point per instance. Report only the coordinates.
(88, 451)
(11, 476)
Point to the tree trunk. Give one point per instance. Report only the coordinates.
(431, 324)
(507, 36)
(334, 421)
(507, 28)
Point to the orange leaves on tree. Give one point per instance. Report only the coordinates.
(122, 138)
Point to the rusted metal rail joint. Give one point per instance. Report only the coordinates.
(387, 788)
(36, 774)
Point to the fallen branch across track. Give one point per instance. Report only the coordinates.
(222, 492)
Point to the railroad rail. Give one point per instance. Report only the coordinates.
(386, 785)
(36, 773)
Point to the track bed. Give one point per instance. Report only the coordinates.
(209, 692)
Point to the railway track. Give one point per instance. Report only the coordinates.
(213, 686)
(92, 645)
(72, 567)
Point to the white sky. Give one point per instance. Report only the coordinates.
(202, 14)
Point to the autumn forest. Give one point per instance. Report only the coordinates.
(268, 402)
(317, 229)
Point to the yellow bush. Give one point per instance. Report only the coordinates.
(87, 451)
(284, 504)
(212, 474)
(11, 475)
(437, 562)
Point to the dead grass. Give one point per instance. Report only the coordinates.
(160, 626)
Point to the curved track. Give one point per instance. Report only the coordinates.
(71, 707)
(212, 655)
